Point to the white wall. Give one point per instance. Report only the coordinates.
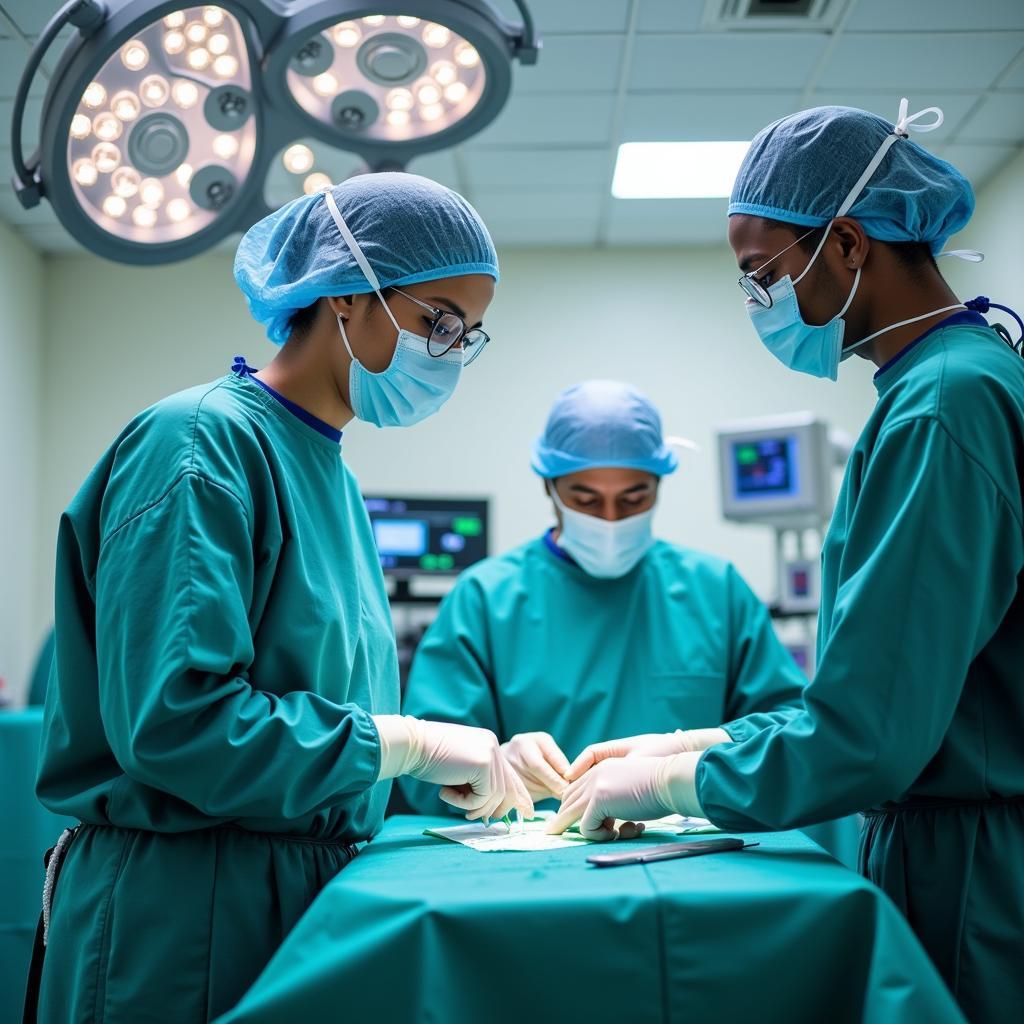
(671, 321)
(21, 343)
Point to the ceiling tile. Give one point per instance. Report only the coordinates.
(669, 16)
(577, 15)
(1000, 118)
(667, 221)
(919, 61)
(693, 116)
(725, 61)
(1015, 80)
(530, 234)
(538, 205)
(550, 120)
(574, 64)
(31, 16)
(13, 55)
(935, 16)
(49, 238)
(978, 162)
(885, 103)
(442, 167)
(527, 169)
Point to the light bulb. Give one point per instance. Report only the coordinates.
(114, 206)
(444, 72)
(374, 19)
(154, 91)
(432, 112)
(347, 34)
(94, 96)
(106, 156)
(125, 105)
(325, 84)
(398, 118)
(144, 216)
(298, 159)
(175, 20)
(218, 44)
(225, 66)
(134, 55)
(85, 173)
(199, 58)
(456, 92)
(106, 126)
(196, 32)
(225, 146)
(406, 22)
(400, 99)
(428, 95)
(315, 183)
(183, 174)
(151, 192)
(178, 209)
(213, 16)
(436, 36)
(81, 127)
(466, 56)
(124, 182)
(174, 42)
(186, 94)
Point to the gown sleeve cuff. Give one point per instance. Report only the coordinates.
(399, 744)
(676, 783)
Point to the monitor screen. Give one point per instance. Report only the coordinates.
(765, 468)
(432, 536)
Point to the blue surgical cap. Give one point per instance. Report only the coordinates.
(801, 168)
(410, 229)
(602, 423)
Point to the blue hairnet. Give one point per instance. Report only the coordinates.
(602, 423)
(800, 169)
(410, 229)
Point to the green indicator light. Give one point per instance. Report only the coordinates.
(468, 526)
(445, 561)
(428, 562)
(746, 454)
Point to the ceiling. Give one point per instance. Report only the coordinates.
(615, 71)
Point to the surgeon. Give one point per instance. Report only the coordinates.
(916, 712)
(221, 716)
(596, 628)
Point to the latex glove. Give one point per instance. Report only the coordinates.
(465, 761)
(648, 744)
(632, 788)
(539, 762)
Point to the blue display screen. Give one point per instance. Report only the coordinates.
(766, 468)
(400, 537)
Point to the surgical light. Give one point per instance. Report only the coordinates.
(163, 120)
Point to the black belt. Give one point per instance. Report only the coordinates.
(943, 805)
(54, 859)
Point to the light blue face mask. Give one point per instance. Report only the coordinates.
(415, 384)
(602, 548)
(818, 351)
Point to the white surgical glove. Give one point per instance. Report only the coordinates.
(539, 763)
(632, 788)
(466, 762)
(648, 744)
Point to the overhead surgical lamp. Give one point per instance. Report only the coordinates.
(160, 122)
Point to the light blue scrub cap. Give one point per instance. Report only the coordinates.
(602, 423)
(801, 168)
(410, 229)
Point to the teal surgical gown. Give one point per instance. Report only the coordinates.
(529, 642)
(917, 708)
(222, 639)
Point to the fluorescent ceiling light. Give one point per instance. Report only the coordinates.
(677, 170)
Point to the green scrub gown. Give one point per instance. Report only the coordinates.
(529, 642)
(222, 639)
(917, 708)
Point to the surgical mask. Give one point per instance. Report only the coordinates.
(415, 384)
(601, 548)
(818, 351)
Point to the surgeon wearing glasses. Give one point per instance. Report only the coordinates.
(916, 713)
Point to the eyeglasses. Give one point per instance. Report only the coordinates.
(448, 330)
(753, 287)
